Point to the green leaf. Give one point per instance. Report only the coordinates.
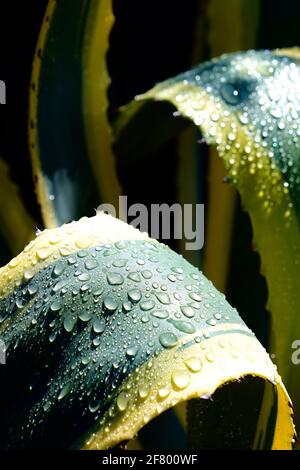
(16, 224)
(105, 329)
(69, 134)
(248, 106)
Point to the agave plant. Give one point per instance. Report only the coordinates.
(108, 333)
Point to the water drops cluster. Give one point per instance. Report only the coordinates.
(249, 106)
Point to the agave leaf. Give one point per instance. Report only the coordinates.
(68, 131)
(248, 105)
(105, 329)
(17, 225)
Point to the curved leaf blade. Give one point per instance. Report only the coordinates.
(68, 131)
(107, 329)
(248, 105)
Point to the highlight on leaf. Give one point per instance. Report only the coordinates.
(106, 329)
(247, 105)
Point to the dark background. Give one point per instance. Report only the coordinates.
(151, 41)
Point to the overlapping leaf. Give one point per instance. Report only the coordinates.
(69, 134)
(106, 328)
(248, 105)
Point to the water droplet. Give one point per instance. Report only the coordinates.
(115, 279)
(134, 295)
(134, 276)
(64, 391)
(84, 277)
(110, 303)
(84, 242)
(44, 252)
(168, 340)
(98, 326)
(184, 326)
(210, 356)
(146, 274)
(46, 405)
(195, 296)
(97, 292)
(162, 314)
(132, 351)
(85, 315)
(163, 392)
(143, 391)
(52, 337)
(127, 306)
(28, 274)
(69, 322)
(94, 405)
(147, 305)
(20, 303)
(59, 268)
(56, 305)
(187, 311)
(60, 285)
(97, 341)
(163, 298)
(230, 93)
(177, 270)
(194, 364)
(91, 264)
(180, 379)
(120, 263)
(33, 289)
(122, 401)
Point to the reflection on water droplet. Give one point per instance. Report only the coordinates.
(168, 340)
(64, 391)
(85, 315)
(52, 337)
(146, 274)
(230, 93)
(94, 405)
(134, 276)
(60, 285)
(122, 401)
(110, 304)
(132, 351)
(187, 311)
(134, 295)
(127, 306)
(59, 268)
(28, 274)
(184, 326)
(163, 298)
(195, 296)
(147, 305)
(91, 264)
(44, 252)
(84, 277)
(163, 392)
(194, 364)
(69, 322)
(56, 305)
(180, 379)
(162, 314)
(98, 326)
(143, 391)
(115, 279)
